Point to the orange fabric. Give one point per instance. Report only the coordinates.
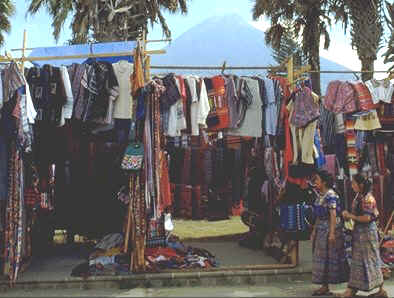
(165, 188)
(218, 84)
(137, 79)
(161, 251)
(288, 154)
(284, 84)
(302, 182)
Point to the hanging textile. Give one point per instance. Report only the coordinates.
(17, 132)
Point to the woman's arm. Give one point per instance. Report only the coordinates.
(333, 222)
(361, 218)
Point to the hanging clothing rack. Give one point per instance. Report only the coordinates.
(210, 67)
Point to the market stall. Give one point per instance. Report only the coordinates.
(103, 148)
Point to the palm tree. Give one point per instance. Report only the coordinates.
(308, 18)
(7, 10)
(108, 20)
(366, 20)
(288, 46)
(389, 55)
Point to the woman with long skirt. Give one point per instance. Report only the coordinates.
(365, 268)
(328, 239)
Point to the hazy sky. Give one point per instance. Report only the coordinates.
(40, 31)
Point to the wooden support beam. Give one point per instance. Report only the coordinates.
(22, 66)
(121, 54)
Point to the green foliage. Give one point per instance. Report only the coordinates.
(7, 10)
(289, 46)
(389, 54)
(107, 20)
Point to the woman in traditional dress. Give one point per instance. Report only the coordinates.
(329, 265)
(365, 268)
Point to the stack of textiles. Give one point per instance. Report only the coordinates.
(107, 258)
(178, 256)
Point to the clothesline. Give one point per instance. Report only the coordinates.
(210, 67)
(147, 41)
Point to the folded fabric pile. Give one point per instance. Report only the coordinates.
(178, 256)
(107, 258)
(387, 251)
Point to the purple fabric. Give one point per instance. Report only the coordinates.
(305, 108)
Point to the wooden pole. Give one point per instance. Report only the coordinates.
(387, 226)
(24, 50)
(147, 68)
(294, 245)
(129, 219)
(121, 54)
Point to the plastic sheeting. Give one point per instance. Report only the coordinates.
(84, 49)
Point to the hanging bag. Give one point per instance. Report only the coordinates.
(133, 157)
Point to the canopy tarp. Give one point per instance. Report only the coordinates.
(84, 49)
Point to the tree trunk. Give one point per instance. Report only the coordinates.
(314, 62)
(314, 49)
(367, 64)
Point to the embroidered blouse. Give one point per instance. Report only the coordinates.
(365, 206)
(381, 90)
(323, 204)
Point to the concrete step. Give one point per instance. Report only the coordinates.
(168, 280)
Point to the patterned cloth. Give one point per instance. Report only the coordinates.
(340, 97)
(329, 266)
(329, 262)
(352, 157)
(364, 98)
(365, 272)
(306, 109)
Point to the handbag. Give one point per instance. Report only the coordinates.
(133, 157)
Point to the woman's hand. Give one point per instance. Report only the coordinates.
(346, 215)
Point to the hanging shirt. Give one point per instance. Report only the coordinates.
(192, 84)
(271, 109)
(252, 124)
(203, 104)
(381, 90)
(176, 118)
(48, 93)
(68, 107)
(31, 111)
(303, 138)
(122, 108)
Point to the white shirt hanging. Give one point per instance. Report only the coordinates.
(122, 107)
(381, 90)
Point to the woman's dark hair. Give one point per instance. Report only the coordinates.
(364, 182)
(326, 177)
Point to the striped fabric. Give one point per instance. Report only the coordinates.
(364, 98)
(350, 136)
